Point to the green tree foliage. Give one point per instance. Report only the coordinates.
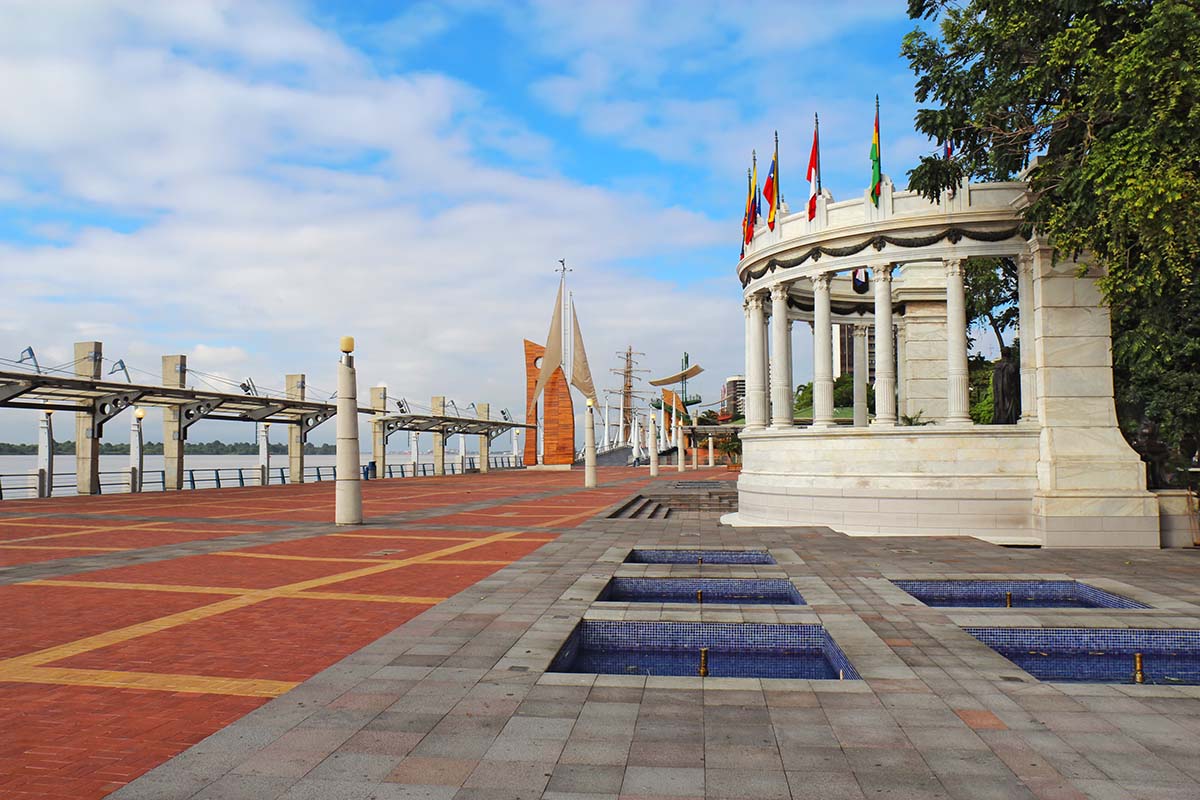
(990, 285)
(1106, 95)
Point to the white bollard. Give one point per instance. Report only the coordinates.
(679, 454)
(348, 487)
(711, 460)
(589, 447)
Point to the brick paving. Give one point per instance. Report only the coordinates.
(132, 627)
(453, 700)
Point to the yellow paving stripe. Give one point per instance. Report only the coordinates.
(190, 589)
(61, 547)
(86, 531)
(403, 536)
(281, 557)
(137, 630)
(158, 681)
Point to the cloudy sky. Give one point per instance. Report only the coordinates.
(246, 181)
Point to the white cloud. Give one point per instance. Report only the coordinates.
(213, 124)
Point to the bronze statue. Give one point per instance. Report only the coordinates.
(1006, 389)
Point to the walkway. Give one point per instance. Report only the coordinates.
(133, 626)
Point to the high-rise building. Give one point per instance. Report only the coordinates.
(733, 399)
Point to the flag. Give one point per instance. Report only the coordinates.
(948, 151)
(754, 208)
(771, 187)
(858, 278)
(876, 161)
(814, 172)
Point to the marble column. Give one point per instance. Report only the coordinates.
(1029, 415)
(822, 353)
(957, 382)
(860, 376)
(885, 361)
(781, 358)
(901, 368)
(756, 379)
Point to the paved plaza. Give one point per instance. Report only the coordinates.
(232, 644)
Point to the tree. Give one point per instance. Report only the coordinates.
(709, 417)
(990, 286)
(1100, 100)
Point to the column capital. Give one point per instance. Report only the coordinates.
(860, 330)
(754, 302)
(881, 273)
(821, 282)
(1025, 262)
(780, 291)
(954, 267)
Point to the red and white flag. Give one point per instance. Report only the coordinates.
(814, 174)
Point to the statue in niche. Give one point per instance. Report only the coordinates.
(1006, 389)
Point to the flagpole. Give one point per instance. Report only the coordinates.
(817, 131)
(777, 193)
(880, 138)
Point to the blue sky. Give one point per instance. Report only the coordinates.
(245, 181)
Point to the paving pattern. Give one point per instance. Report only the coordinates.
(412, 699)
(132, 627)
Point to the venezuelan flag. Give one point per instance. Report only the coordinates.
(771, 187)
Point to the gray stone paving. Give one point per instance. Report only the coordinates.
(457, 704)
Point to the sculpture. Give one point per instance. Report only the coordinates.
(1006, 389)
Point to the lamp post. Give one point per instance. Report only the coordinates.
(348, 486)
(589, 447)
(136, 459)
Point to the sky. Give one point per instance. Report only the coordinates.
(245, 181)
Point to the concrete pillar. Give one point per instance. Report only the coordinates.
(378, 437)
(264, 453)
(711, 458)
(679, 453)
(695, 452)
(88, 363)
(485, 443)
(348, 486)
(1025, 329)
(860, 376)
(516, 442)
(885, 361)
(958, 403)
(822, 353)
(652, 436)
(414, 451)
(174, 374)
(756, 360)
(295, 391)
(589, 447)
(45, 456)
(661, 442)
(1091, 484)
(901, 368)
(782, 394)
(438, 408)
(136, 450)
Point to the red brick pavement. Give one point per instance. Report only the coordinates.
(177, 624)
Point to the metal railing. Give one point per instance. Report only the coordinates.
(23, 485)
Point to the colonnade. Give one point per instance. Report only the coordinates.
(769, 381)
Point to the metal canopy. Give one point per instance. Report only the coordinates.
(687, 374)
(430, 423)
(105, 399)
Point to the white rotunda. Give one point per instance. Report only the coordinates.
(1063, 475)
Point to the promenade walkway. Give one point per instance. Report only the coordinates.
(133, 626)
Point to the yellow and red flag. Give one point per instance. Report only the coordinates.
(771, 187)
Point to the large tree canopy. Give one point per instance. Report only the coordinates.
(1098, 100)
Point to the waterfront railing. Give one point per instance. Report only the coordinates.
(23, 485)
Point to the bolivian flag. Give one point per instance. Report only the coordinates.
(876, 162)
